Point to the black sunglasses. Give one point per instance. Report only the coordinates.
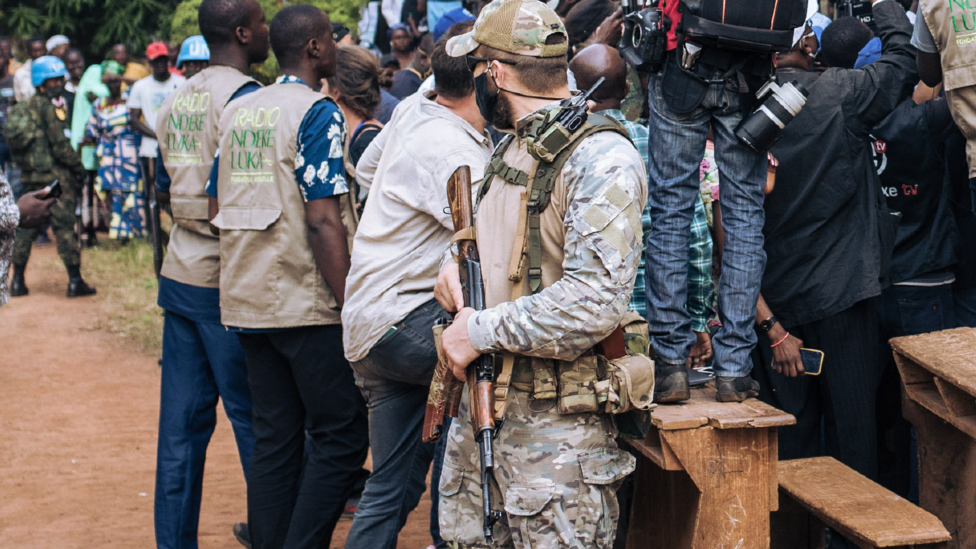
(473, 60)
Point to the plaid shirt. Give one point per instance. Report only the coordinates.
(701, 288)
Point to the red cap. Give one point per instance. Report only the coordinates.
(156, 49)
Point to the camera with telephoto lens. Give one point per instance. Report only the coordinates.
(760, 130)
(645, 38)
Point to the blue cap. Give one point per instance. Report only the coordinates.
(870, 53)
(818, 22)
(46, 67)
(194, 48)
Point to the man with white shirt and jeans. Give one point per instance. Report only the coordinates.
(145, 99)
(390, 308)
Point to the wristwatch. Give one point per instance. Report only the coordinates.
(768, 324)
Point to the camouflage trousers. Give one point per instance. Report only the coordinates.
(63, 223)
(555, 476)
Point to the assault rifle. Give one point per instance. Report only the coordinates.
(446, 389)
(157, 231)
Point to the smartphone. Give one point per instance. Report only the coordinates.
(812, 361)
(54, 190)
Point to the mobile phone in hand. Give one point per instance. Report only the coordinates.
(812, 360)
(54, 190)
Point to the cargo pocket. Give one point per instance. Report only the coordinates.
(530, 516)
(449, 507)
(602, 470)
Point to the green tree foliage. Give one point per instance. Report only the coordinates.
(92, 25)
(184, 24)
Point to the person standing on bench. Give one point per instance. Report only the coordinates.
(829, 236)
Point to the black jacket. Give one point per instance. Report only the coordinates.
(828, 232)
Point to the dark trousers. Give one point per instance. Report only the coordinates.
(201, 363)
(842, 398)
(296, 491)
(903, 311)
(395, 377)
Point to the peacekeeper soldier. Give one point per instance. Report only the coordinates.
(947, 54)
(283, 210)
(202, 361)
(555, 474)
(38, 134)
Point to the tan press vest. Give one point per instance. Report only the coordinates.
(953, 25)
(187, 132)
(268, 276)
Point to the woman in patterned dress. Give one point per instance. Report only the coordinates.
(119, 172)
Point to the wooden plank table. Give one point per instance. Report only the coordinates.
(706, 475)
(938, 372)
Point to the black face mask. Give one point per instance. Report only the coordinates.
(485, 99)
(54, 91)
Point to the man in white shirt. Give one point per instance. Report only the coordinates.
(145, 99)
(23, 89)
(390, 308)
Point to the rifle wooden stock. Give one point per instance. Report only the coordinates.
(445, 389)
(445, 394)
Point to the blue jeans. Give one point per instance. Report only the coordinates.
(395, 379)
(904, 311)
(201, 362)
(965, 307)
(675, 151)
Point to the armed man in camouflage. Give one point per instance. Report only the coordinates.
(38, 133)
(556, 469)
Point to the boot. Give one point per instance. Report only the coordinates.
(735, 389)
(77, 287)
(18, 287)
(670, 382)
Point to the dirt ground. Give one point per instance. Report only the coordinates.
(78, 417)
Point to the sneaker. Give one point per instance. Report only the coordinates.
(670, 383)
(735, 389)
(79, 288)
(242, 534)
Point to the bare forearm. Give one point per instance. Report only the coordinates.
(331, 253)
(140, 127)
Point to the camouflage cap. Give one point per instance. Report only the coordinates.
(521, 27)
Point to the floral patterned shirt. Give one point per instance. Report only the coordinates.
(9, 219)
(319, 166)
(708, 176)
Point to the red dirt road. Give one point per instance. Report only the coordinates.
(78, 417)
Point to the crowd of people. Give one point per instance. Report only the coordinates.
(311, 282)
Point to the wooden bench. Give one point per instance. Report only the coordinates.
(938, 372)
(706, 475)
(822, 491)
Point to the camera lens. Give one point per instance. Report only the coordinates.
(638, 37)
(760, 130)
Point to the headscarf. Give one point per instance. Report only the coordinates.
(55, 41)
(112, 67)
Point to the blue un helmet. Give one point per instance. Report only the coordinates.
(194, 48)
(45, 68)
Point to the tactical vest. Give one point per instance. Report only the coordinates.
(187, 131)
(268, 275)
(953, 29)
(523, 257)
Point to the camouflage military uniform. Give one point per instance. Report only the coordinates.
(555, 474)
(36, 134)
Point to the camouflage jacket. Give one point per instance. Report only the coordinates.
(604, 186)
(36, 133)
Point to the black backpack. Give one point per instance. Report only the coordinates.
(762, 26)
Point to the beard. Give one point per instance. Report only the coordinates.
(502, 120)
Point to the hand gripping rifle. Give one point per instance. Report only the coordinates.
(481, 372)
